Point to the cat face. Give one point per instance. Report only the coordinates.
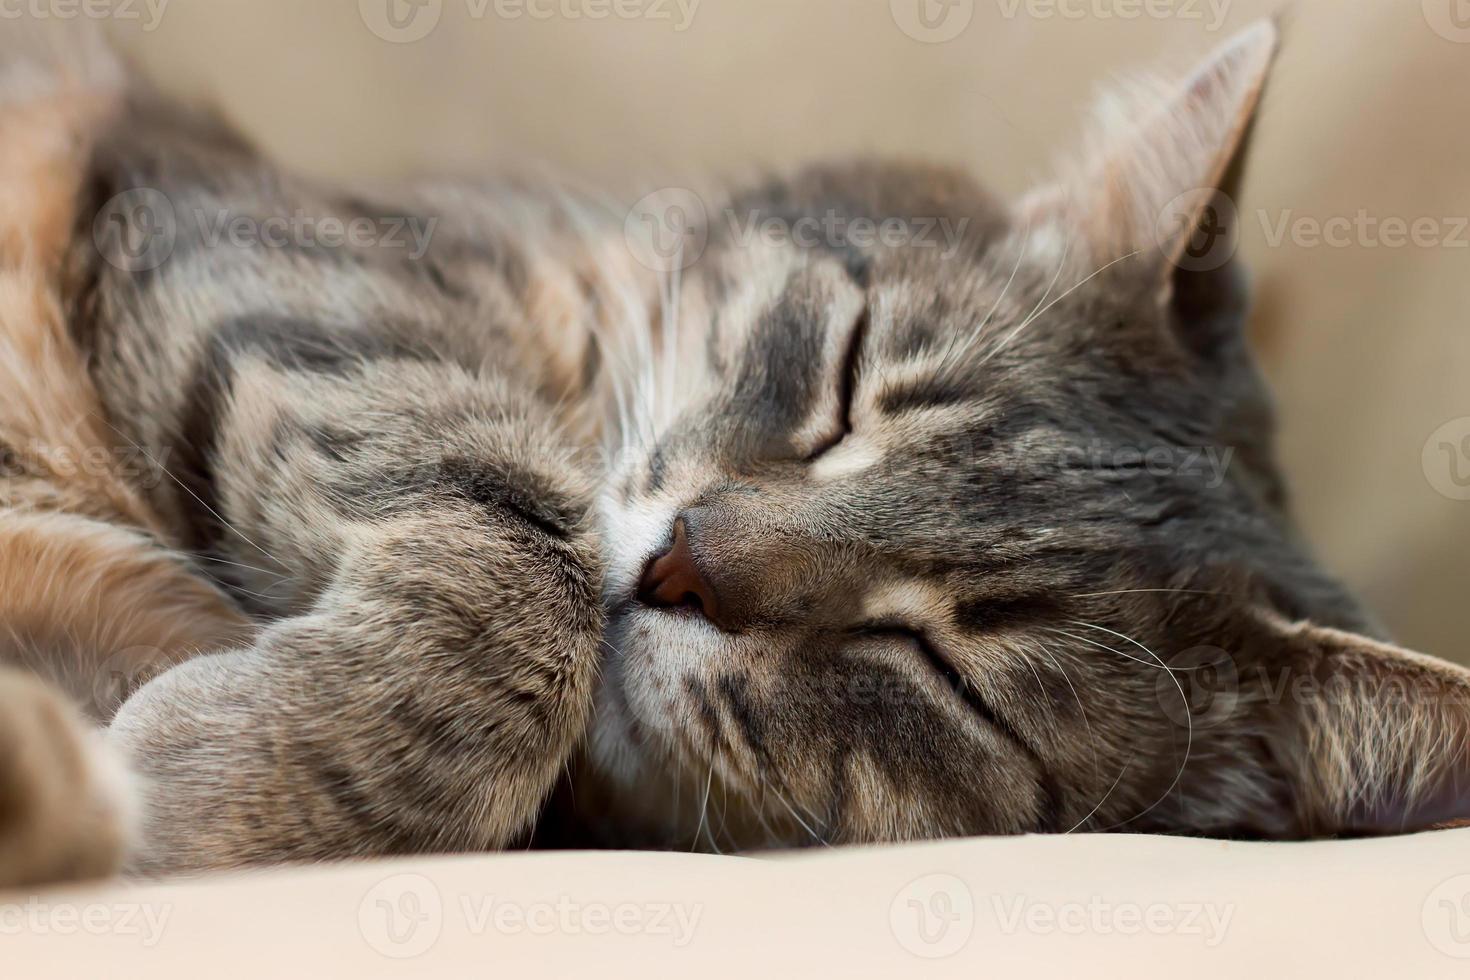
(917, 536)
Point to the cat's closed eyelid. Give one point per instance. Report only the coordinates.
(952, 678)
(847, 380)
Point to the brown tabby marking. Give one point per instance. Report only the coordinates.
(88, 591)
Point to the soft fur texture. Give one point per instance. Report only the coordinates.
(956, 564)
(895, 541)
(91, 595)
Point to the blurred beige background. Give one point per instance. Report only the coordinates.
(1366, 343)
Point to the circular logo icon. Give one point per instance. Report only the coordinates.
(123, 673)
(668, 230)
(1447, 918)
(1201, 688)
(932, 21)
(136, 231)
(933, 917)
(1199, 230)
(401, 21)
(1447, 459)
(1450, 19)
(402, 916)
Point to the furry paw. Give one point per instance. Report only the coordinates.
(63, 812)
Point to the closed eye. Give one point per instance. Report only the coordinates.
(917, 639)
(947, 671)
(847, 389)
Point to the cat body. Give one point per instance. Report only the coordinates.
(95, 597)
(893, 542)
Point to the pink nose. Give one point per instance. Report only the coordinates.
(673, 579)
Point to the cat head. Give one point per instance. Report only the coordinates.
(940, 516)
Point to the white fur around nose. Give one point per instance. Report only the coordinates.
(632, 534)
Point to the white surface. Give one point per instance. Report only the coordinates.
(1075, 906)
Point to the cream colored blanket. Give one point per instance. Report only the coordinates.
(1047, 907)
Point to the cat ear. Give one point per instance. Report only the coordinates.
(1352, 736)
(1164, 161)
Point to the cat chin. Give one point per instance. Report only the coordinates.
(640, 760)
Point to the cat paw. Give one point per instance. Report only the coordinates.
(63, 799)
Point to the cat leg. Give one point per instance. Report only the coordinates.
(63, 809)
(423, 541)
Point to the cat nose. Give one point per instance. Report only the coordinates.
(673, 579)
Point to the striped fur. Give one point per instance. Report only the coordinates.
(1021, 563)
(955, 592)
(92, 598)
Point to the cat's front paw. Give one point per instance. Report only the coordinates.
(64, 813)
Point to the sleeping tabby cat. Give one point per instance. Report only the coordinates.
(895, 542)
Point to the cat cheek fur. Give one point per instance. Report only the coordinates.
(1009, 401)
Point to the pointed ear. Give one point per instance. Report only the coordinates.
(1379, 740)
(1338, 734)
(1164, 161)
